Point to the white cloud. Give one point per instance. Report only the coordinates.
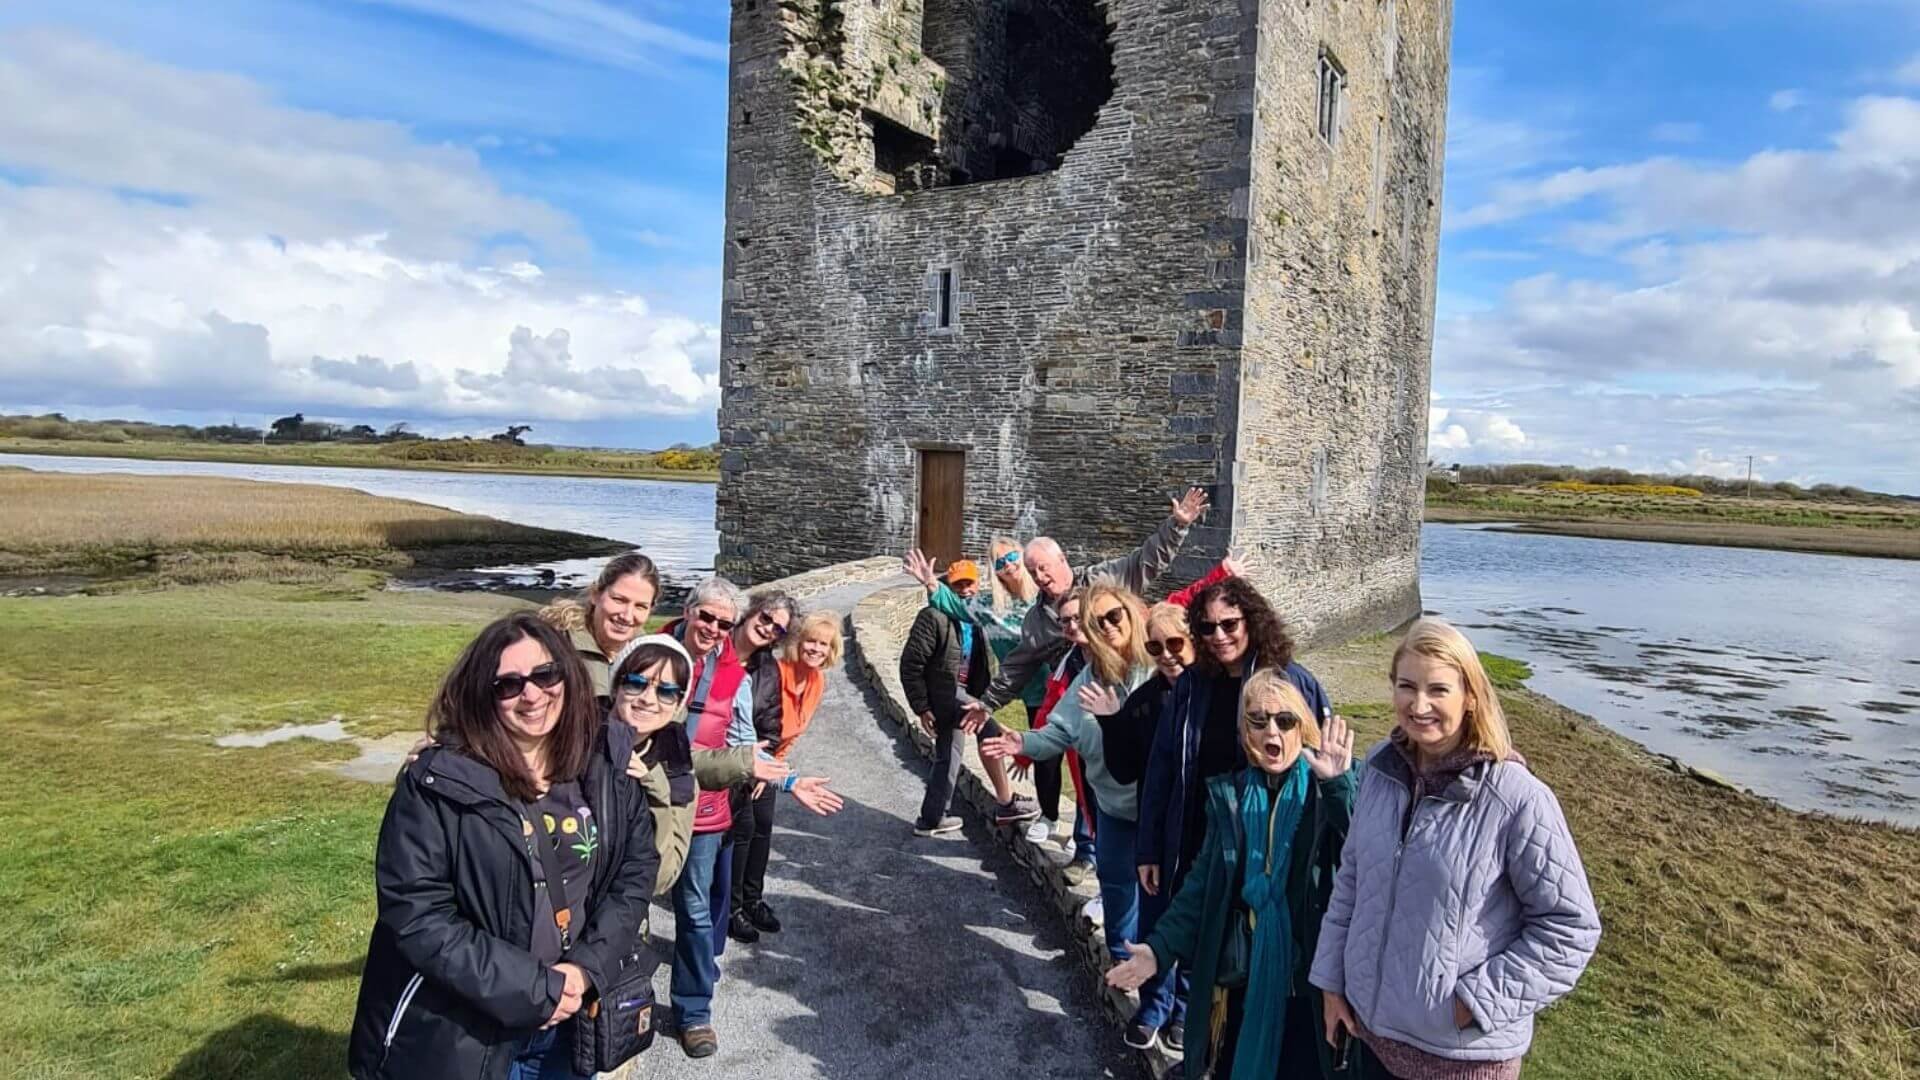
(1786, 100)
(1473, 434)
(1677, 132)
(1766, 306)
(586, 29)
(186, 240)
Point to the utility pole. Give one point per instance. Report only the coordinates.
(1749, 476)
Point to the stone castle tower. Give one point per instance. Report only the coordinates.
(1024, 266)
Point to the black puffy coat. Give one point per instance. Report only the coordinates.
(450, 983)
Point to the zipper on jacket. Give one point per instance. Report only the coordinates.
(399, 1011)
(1393, 899)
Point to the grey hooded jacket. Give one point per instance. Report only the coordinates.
(1484, 899)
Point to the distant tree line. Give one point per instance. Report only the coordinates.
(1442, 479)
(396, 440)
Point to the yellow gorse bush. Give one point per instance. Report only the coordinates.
(1581, 487)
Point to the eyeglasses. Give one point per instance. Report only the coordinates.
(768, 622)
(1069, 620)
(1285, 721)
(1173, 646)
(546, 677)
(1229, 627)
(711, 619)
(1113, 616)
(665, 693)
(1011, 558)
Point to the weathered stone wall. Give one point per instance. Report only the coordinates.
(1095, 303)
(1113, 338)
(1340, 279)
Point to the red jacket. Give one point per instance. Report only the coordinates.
(707, 730)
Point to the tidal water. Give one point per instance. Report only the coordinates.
(1795, 675)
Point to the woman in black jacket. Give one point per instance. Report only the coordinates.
(476, 966)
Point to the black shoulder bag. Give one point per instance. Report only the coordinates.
(617, 1023)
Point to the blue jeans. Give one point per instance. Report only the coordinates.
(694, 968)
(1119, 885)
(545, 1055)
(1163, 998)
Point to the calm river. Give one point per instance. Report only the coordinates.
(1795, 675)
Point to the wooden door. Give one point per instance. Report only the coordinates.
(943, 503)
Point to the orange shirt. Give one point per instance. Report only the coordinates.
(800, 690)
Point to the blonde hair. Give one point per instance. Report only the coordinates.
(565, 615)
(1004, 597)
(1485, 725)
(1269, 682)
(1110, 665)
(815, 620)
(1170, 619)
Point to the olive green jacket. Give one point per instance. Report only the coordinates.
(714, 770)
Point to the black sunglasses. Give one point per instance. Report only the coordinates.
(546, 677)
(1113, 616)
(706, 616)
(665, 693)
(1228, 626)
(1172, 645)
(767, 620)
(1069, 620)
(1285, 721)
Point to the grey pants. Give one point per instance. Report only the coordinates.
(946, 766)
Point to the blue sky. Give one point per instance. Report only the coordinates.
(1676, 233)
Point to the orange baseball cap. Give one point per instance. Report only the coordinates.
(963, 570)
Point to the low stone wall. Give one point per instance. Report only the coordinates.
(813, 582)
(877, 632)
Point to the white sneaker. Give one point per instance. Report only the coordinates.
(1095, 911)
(1038, 830)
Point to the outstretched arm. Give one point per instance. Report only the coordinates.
(1137, 570)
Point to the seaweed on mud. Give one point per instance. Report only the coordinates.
(1618, 629)
(1803, 713)
(1725, 725)
(1887, 708)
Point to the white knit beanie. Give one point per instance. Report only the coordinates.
(651, 639)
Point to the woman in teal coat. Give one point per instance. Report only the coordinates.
(1247, 918)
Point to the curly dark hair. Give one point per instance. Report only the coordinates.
(1267, 637)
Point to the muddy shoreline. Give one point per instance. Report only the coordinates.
(1813, 540)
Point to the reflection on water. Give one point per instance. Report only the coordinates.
(1795, 675)
(671, 522)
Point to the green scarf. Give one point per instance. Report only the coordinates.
(1270, 822)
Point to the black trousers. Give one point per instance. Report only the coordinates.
(1046, 779)
(752, 842)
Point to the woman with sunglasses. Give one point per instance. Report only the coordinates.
(477, 957)
(1236, 633)
(757, 720)
(1114, 622)
(1247, 918)
(608, 615)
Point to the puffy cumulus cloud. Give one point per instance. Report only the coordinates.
(1473, 435)
(183, 241)
(1753, 307)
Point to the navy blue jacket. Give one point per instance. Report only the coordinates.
(1172, 776)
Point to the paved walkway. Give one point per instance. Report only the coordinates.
(902, 958)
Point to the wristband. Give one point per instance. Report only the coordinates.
(787, 784)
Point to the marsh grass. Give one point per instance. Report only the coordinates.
(432, 455)
(192, 530)
(1742, 940)
(1599, 502)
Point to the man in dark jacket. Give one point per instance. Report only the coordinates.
(944, 665)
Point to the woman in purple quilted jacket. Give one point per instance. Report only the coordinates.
(1460, 909)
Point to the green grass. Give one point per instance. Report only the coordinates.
(168, 907)
(430, 455)
(1482, 502)
(1741, 940)
(1506, 672)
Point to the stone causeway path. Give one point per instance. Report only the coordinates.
(901, 958)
